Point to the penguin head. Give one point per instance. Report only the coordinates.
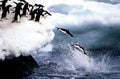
(40, 5)
(35, 5)
(21, 3)
(30, 5)
(9, 5)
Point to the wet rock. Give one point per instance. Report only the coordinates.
(17, 68)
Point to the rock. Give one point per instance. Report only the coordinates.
(17, 68)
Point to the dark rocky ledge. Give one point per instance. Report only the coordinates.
(17, 68)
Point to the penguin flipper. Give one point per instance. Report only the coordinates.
(71, 35)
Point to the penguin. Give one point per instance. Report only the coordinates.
(33, 12)
(79, 48)
(39, 13)
(64, 31)
(22, 1)
(3, 4)
(5, 11)
(17, 11)
(31, 8)
(25, 8)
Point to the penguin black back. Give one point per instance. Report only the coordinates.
(25, 8)
(3, 4)
(17, 11)
(39, 13)
(22, 1)
(4, 13)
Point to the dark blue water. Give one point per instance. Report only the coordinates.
(102, 45)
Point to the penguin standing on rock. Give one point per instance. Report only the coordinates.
(3, 4)
(33, 12)
(5, 11)
(25, 8)
(39, 13)
(17, 11)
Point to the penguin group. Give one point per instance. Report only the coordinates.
(21, 9)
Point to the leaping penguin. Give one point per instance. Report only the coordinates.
(79, 48)
(65, 31)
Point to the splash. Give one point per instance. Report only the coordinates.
(80, 60)
(23, 38)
